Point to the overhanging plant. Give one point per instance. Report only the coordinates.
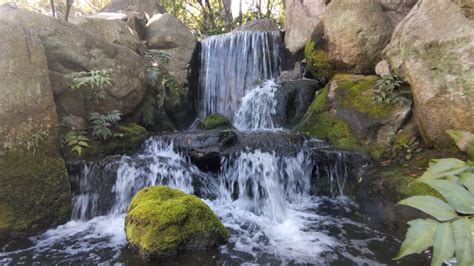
(451, 230)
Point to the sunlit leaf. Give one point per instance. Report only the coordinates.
(462, 242)
(457, 196)
(432, 206)
(443, 246)
(443, 167)
(467, 179)
(420, 236)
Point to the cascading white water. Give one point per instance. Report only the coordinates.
(231, 64)
(257, 108)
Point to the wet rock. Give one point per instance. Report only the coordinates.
(162, 221)
(215, 121)
(293, 99)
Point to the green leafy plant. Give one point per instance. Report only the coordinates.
(93, 80)
(317, 62)
(35, 139)
(101, 124)
(451, 232)
(159, 83)
(392, 89)
(76, 141)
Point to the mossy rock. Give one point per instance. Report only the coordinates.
(344, 114)
(317, 62)
(127, 140)
(162, 221)
(216, 121)
(35, 192)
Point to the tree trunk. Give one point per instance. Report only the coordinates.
(68, 8)
(53, 9)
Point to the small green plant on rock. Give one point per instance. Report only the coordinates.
(101, 124)
(392, 89)
(94, 80)
(159, 83)
(35, 139)
(76, 141)
(451, 232)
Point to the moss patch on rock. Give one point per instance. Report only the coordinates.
(319, 123)
(34, 191)
(345, 115)
(317, 62)
(162, 221)
(216, 121)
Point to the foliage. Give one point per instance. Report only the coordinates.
(159, 82)
(101, 123)
(392, 89)
(317, 62)
(93, 80)
(44, 7)
(35, 139)
(451, 232)
(209, 17)
(76, 141)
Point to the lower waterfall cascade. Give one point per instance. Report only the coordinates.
(263, 198)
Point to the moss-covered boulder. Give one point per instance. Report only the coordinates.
(216, 121)
(344, 114)
(162, 221)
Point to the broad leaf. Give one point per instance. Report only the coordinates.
(457, 196)
(432, 206)
(441, 168)
(443, 246)
(467, 179)
(462, 241)
(420, 236)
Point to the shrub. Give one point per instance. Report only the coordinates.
(392, 89)
(451, 232)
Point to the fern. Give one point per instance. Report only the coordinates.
(94, 80)
(76, 141)
(35, 139)
(101, 124)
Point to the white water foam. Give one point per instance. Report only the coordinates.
(258, 108)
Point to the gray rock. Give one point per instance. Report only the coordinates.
(383, 68)
(148, 6)
(264, 24)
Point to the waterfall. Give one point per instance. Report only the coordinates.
(231, 64)
(257, 108)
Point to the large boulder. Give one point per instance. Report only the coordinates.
(264, 24)
(136, 20)
(169, 35)
(345, 114)
(34, 187)
(396, 10)
(356, 33)
(293, 99)
(302, 17)
(162, 221)
(70, 49)
(433, 48)
(111, 30)
(149, 7)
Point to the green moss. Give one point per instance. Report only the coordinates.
(355, 93)
(34, 191)
(318, 123)
(216, 121)
(127, 141)
(404, 187)
(162, 221)
(317, 62)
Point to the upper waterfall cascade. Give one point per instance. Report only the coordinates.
(232, 64)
